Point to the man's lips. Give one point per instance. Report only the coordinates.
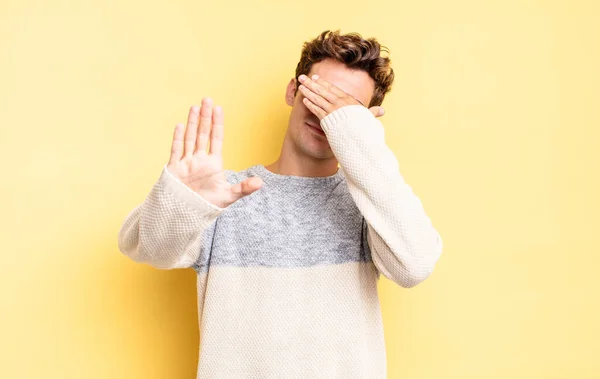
(317, 128)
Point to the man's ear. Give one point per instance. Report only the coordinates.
(290, 92)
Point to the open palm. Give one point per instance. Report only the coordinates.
(202, 170)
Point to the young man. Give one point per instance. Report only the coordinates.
(288, 255)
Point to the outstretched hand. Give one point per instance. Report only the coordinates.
(199, 166)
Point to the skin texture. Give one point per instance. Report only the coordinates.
(306, 152)
(200, 167)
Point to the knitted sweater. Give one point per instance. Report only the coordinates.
(287, 276)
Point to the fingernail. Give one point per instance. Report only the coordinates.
(381, 111)
(195, 108)
(315, 77)
(302, 78)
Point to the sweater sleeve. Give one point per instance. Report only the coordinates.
(403, 242)
(166, 230)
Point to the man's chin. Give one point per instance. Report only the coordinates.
(318, 150)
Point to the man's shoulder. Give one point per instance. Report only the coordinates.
(236, 176)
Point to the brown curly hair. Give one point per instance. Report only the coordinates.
(356, 53)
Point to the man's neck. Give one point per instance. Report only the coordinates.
(302, 165)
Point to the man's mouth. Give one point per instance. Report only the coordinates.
(315, 128)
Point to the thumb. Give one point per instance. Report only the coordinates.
(246, 187)
(377, 111)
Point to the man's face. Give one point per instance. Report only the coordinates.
(306, 138)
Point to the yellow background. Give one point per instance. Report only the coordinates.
(493, 117)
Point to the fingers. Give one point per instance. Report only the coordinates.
(190, 131)
(205, 124)
(177, 146)
(246, 187)
(377, 111)
(216, 133)
(315, 98)
(319, 89)
(329, 86)
(324, 94)
(317, 111)
(195, 136)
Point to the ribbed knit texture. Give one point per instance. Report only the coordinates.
(287, 276)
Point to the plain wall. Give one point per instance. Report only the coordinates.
(493, 117)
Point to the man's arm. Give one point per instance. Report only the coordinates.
(165, 231)
(404, 245)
